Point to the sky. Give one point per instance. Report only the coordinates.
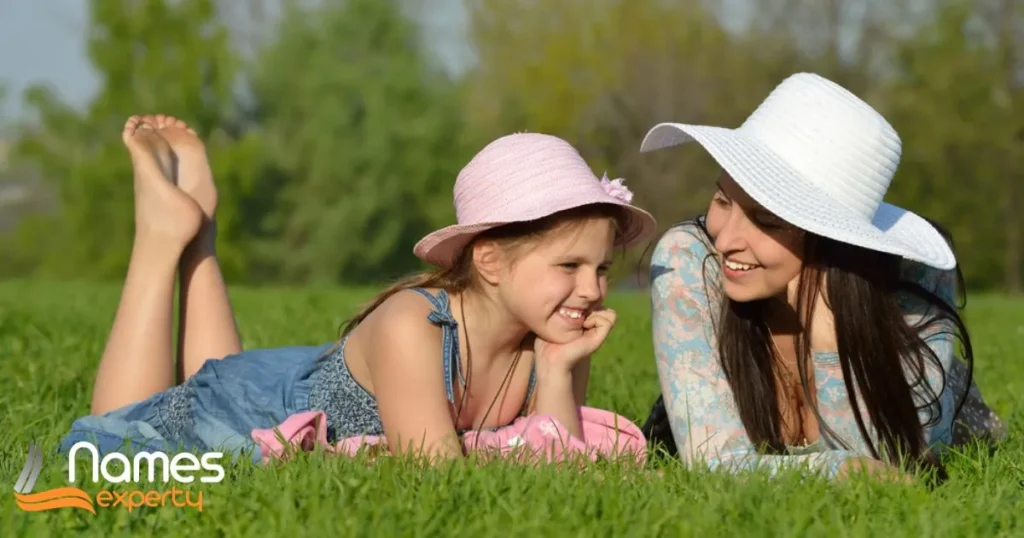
(43, 41)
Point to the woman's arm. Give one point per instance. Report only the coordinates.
(703, 417)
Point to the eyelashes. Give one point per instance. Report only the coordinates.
(763, 221)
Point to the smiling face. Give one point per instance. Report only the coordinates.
(551, 283)
(761, 254)
(554, 286)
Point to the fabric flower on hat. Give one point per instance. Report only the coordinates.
(616, 189)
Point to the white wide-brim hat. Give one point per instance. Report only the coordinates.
(820, 158)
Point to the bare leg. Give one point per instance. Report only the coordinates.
(137, 361)
(207, 328)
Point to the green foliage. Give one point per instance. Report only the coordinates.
(958, 112)
(336, 144)
(366, 133)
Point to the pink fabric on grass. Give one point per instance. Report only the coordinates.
(605, 435)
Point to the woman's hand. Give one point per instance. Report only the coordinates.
(563, 357)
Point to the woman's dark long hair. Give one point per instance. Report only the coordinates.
(883, 359)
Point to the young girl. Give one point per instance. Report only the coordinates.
(802, 320)
(517, 292)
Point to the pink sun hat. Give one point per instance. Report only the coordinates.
(523, 177)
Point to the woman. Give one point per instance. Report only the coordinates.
(802, 320)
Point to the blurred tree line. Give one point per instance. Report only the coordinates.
(336, 137)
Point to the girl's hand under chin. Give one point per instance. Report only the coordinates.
(566, 356)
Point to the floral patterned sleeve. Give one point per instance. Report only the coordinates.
(704, 420)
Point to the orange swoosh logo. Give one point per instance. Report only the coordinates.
(51, 499)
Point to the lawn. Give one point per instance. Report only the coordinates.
(52, 335)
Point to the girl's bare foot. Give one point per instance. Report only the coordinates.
(162, 211)
(194, 174)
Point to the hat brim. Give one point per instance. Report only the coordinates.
(781, 189)
(442, 246)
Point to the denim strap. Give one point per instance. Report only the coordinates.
(442, 316)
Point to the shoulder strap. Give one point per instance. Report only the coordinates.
(529, 390)
(441, 315)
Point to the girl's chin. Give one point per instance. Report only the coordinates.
(557, 332)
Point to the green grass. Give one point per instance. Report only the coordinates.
(52, 335)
